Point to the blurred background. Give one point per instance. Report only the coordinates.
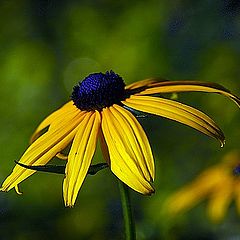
(48, 46)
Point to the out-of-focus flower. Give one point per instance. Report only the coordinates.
(220, 184)
(102, 107)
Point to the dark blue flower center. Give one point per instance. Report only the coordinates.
(98, 90)
(236, 170)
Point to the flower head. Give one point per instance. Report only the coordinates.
(220, 184)
(101, 108)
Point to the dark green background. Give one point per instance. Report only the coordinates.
(48, 46)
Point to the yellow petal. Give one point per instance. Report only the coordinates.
(43, 150)
(143, 83)
(65, 110)
(129, 150)
(188, 86)
(80, 156)
(237, 194)
(136, 139)
(178, 112)
(104, 147)
(191, 194)
(182, 200)
(220, 199)
(62, 156)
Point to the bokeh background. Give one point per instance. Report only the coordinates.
(48, 46)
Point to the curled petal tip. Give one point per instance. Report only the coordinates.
(223, 143)
(151, 191)
(17, 190)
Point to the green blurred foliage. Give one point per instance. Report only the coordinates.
(48, 46)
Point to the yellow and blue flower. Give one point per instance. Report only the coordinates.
(103, 108)
(220, 184)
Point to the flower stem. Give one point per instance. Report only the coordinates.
(127, 212)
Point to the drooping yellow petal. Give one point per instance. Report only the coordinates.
(143, 83)
(188, 86)
(136, 140)
(177, 112)
(220, 199)
(104, 147)
(56, 116)
(127, 149)
(43, 150)
(80, 156)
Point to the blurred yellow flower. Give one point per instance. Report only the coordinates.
(220, 184)
(102, 107)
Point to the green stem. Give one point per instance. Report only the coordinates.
(127, 212)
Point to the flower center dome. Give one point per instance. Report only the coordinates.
(98, 90)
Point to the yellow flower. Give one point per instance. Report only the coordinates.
(220, 184)
(102, 107)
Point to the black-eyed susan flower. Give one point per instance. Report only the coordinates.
(220, 184)
(101, 109)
